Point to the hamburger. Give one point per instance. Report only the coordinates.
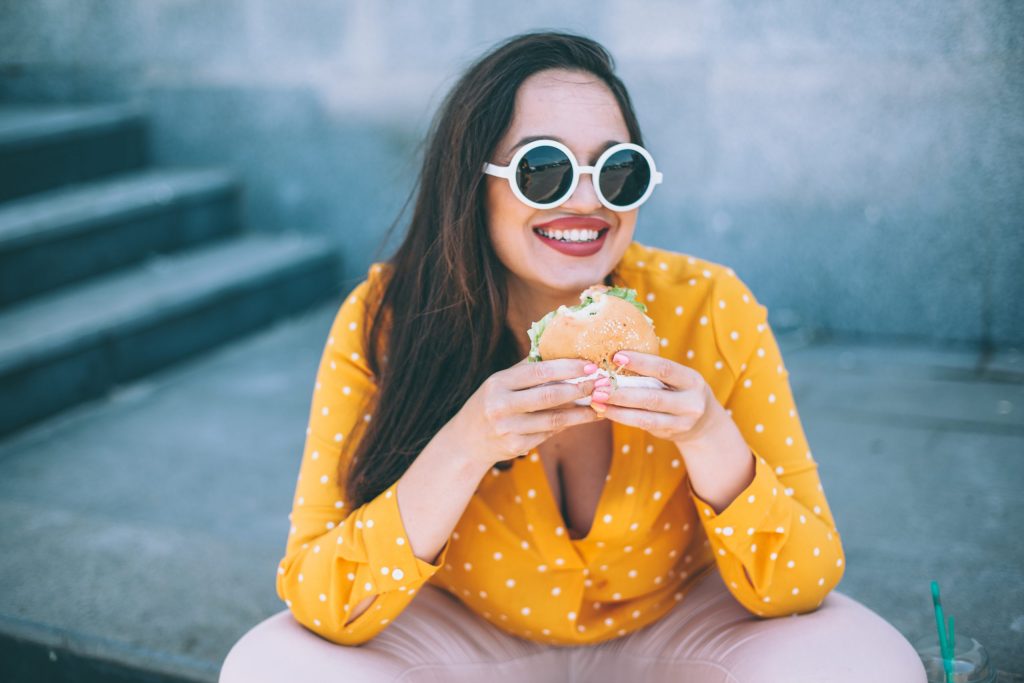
(607, 320)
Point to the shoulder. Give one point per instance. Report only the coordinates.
(703, 297)
(672, 276)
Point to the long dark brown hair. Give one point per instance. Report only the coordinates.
(440, 320)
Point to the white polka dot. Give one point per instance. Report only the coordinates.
(679, 310)
(525, 611)
(692, 281)
(734, 335)
(817, 551)
(759, 427)
(779, 470)
(703, 320)
(821, 581)
(707, 273)
(481, 527)
(571, 615)
(556, 591)
(750, 498)
(839, 562)
(774, 556)
(346, 390)
(323, 479)
(650, 296)
(607, 519)
(630, 490)
(791, 564)
(352, 326)
(369, 524)
(747, 383)
(631, 573)
(510, 583)
(324, 410)
(727, 531)
(796, 591)
(531, 493)
(625, 448)
(718, 365)
(817, 509)
(664, 341)
(355, 356)
(753, 547)
(771, 398)
(657, 495)
(497, 555)
(300, 577)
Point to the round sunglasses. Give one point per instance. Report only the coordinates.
(544, 174)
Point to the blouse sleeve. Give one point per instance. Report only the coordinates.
(776, 544)
(336, 556)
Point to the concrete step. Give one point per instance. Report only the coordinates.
(47, 146)
(69, 346)
(147, 526)
(65, 235)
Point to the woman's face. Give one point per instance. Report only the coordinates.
(580, 111)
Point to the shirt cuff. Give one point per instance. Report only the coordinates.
(759, 508)
(388, 551)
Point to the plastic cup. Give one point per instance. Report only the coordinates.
(970, 661)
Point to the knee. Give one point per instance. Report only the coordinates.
(843, 641)
(255, 652)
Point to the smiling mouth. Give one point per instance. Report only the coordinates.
(574, 236)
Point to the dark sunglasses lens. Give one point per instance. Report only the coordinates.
(544, 174)
(625, 177)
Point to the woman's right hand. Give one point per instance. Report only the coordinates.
(516, 409)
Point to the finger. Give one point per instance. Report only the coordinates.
(552, 420)
(548, 396)
(667, 370)
(654, 400)
(524, 375)
(642, 419)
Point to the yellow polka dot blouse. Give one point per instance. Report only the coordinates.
(510, 558)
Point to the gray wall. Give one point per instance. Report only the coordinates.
(858, 164)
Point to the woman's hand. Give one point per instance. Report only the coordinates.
(516, 409)
(681, 413)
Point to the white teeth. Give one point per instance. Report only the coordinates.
(574, 235)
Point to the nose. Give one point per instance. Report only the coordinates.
(584, 197)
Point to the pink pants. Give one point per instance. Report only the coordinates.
(707, 638)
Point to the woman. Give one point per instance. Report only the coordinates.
(661, 538)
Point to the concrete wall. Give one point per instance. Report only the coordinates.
(858, 164)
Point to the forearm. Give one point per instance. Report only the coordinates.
(432, 495)
(434, 492)
(720, 464)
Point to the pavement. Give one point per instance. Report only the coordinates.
(146, 526)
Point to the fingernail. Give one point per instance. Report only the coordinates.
(590, 368)
(602, 382)
(620, 358)
(600, 396)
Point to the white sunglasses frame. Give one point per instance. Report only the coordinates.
(509, 173)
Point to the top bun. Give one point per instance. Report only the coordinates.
(608, 319)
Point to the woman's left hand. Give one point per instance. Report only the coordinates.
(682, 413)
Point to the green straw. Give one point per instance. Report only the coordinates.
(946, 642)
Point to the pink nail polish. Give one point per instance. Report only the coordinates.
(602, 382)
(620, 359)
(590, 368)
(600, 396)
